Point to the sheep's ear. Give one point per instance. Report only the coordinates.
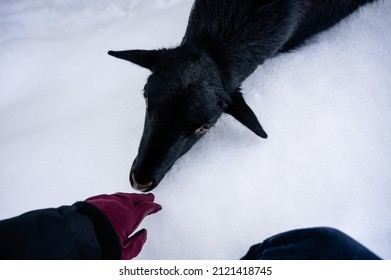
(240, 111)
(144, 58)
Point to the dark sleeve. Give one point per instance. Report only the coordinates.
(321, 243)
(104, 231)
(66, 232)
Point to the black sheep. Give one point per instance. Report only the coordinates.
(193, 84)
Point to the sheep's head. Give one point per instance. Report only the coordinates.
(184, 96)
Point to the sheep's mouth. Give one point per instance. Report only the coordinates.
(142, 187)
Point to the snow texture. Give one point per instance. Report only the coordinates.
(71, 118)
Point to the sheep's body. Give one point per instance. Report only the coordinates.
(244, 33)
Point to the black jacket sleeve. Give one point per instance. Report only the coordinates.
(80, 231)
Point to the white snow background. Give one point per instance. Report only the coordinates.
(71, 118)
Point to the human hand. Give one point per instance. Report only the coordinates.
(125, 211)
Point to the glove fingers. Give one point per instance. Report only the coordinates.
(135, 197)
(145, 208)
(133, 245)
(138, 197)
(142, 210)
(142, 203)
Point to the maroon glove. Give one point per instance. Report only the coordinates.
(125, 212)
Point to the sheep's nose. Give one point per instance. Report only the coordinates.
(139, 185)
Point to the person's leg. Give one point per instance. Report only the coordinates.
(310, 244)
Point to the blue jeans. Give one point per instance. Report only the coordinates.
(320, 243)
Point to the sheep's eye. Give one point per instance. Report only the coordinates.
(145, 95)
(203, 129)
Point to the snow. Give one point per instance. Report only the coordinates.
(71, 118)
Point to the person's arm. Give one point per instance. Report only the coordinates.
(53, 233)
(97, 228)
